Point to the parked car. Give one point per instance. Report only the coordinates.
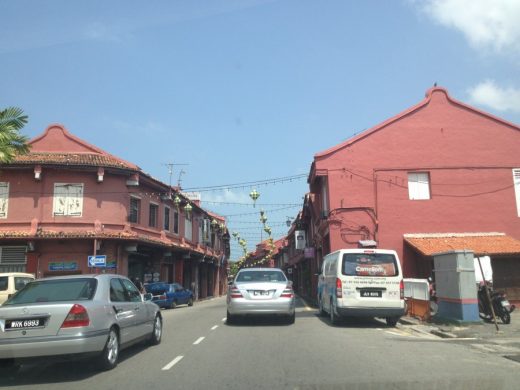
(169, 295)
(11, 282)
(76, 316)
(260, 291)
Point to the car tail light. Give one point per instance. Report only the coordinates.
(235, 292)
(401, 289)
(288, 292)
(339, 288)
(162, 297)
(77, 316)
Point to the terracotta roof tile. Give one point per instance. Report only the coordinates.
(482, 244)
(75, 159)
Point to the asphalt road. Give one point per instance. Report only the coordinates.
(200, 351)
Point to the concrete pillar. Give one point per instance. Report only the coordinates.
(456, 286)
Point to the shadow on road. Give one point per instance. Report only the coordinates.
(41, 372)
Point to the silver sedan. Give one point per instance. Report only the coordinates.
(260, 291)
(76, 316)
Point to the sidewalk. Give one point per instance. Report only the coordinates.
(483, 330)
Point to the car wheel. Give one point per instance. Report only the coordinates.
(8, 367)
(230, 319)
(291, 318)
(190, 301)
(323, 313)
(173, 305)
(334, 320)
(156, 336)
(392, 321)
(110, 353)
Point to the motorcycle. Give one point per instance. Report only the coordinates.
(501, 305)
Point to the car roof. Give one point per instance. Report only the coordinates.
(83, 276)
(260, 269)
(16, 274)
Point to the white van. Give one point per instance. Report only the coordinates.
(11, 282)
(361, 283)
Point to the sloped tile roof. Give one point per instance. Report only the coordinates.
(482, 244)
(122, 235)
(73, 159)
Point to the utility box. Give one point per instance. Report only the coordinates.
(455, 285)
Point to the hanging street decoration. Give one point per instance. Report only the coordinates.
(254, 195)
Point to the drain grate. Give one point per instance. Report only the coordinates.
(515, 358)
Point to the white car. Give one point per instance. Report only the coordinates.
(260, 291)
(11, 282)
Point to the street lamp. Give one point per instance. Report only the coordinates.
(254, 195)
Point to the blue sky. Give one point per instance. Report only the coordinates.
(248, 90)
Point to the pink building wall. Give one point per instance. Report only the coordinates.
(468, 154)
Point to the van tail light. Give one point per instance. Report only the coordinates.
(77, 317)
(401, 289)
(235, 292)
(288, 292)
(339, 288)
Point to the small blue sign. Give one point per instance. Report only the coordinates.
(97, 261)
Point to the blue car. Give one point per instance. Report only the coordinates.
(169, 295)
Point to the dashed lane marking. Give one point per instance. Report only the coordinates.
(198, 341)
(172, 363)
(215, 327)
(224, 319)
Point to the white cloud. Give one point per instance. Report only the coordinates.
(486, 24)
(226, 196)
(488, 93)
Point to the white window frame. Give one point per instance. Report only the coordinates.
(176, 221)
(516, 184)
(325, 196)
(188, 228)
(167, 219)
(419, 185)
(4, 199)
(156, 206)
(68, 200)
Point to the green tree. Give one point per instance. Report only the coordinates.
(12, 143)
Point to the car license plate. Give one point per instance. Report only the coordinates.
(24, 324)
(505, 303)
(260, 293)
(371, 294)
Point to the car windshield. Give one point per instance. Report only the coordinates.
(369, 264)
(57, 290)
(20, 282)
(4, 281)
(155, 288)
(261, 276)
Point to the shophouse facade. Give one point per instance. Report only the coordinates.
(436, 173)
(67, 200)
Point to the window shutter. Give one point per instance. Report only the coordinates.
(60, 199)
(75, 201)
(4, 199)
(516, 182)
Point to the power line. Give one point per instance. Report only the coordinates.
(248, 183)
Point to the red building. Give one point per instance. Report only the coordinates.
(67, 200)
(439, 176)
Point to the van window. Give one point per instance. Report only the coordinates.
(4, 281)
(369, 264)
(21, 281)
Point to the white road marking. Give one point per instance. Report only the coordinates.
(394, 333)
(224, 319)
(172, 363)
(199, 340)
(215, 327)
